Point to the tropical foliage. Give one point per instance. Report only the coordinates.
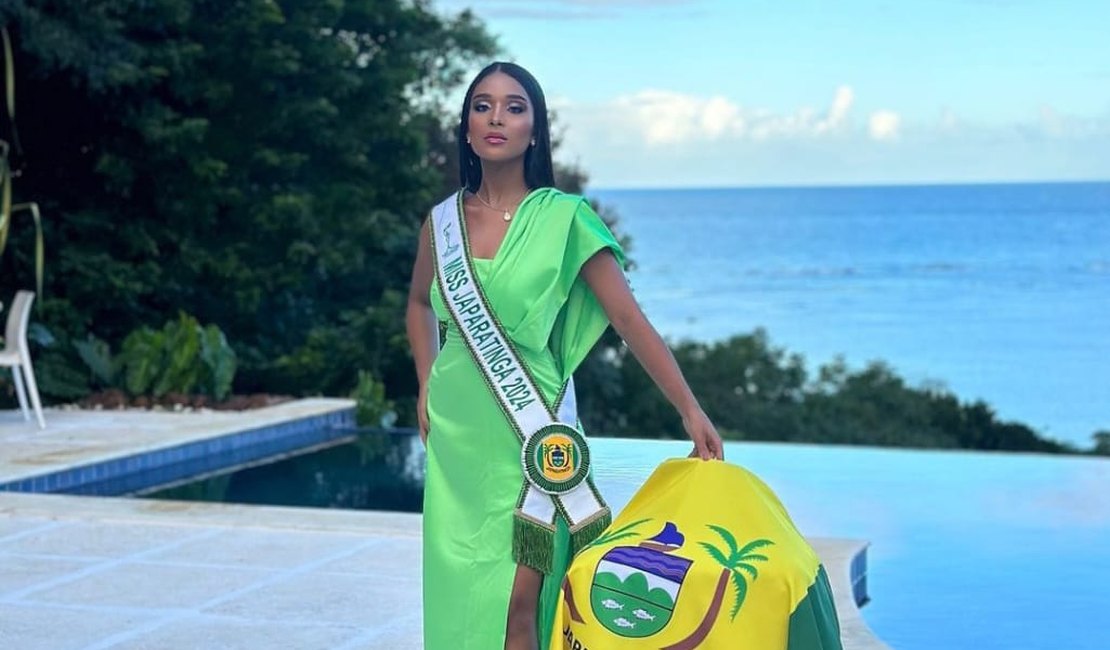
(183, 357)
(263, 164)
(372, 409)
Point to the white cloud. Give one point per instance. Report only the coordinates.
(883, 125)
(720, 116)
(1055, 124)
(663, 138)
(838, 112)
(1046, 124)
(664, 117)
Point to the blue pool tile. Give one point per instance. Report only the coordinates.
(156, 467)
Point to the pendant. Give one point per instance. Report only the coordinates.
(507, 216)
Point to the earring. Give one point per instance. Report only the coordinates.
(468, 139)
(533, 142)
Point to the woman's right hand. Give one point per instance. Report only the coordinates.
(707, 442)
(422, 414)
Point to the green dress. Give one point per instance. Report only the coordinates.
(474, 476)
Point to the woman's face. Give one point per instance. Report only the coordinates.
(500, 119)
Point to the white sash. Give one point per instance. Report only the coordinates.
(554, 455)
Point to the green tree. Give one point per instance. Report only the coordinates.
(1102, 443)
(263, 165)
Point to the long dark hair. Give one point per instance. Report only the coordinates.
(538, 171)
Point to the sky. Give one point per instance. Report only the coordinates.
(717, 93)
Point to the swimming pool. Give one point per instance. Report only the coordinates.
(969, 550)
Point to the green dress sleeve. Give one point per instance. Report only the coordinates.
(580, 321)
(535, 287)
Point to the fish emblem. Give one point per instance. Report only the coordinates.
(612, 604)
(624, 622)
(642, 615)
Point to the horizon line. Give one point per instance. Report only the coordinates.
(846, 185)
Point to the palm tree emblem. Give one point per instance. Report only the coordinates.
(734, 565)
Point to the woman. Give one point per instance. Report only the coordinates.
(526, 275)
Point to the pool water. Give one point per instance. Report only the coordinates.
(968, 550)
(372, 472)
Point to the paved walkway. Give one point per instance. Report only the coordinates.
(89, 572)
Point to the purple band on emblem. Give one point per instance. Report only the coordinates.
(658, 563)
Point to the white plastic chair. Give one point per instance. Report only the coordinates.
(17, 355)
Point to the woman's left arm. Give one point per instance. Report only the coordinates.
(607, 281)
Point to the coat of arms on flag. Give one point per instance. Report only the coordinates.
(704, 556)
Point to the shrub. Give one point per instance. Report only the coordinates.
(372, 409)
(182, 357)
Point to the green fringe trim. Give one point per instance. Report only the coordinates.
(533, 544)
(581, 538)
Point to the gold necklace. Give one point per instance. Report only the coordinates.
(507, 216)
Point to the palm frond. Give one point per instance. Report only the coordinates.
(716, 553)
(609, 539)
(5, 196)
(751, 570)
(632, 525)
(7, 210)
(741, 593)
(751, 546)
(620, 533)
(727, 536)
(9, 74)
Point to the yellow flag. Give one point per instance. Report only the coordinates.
(703, 556)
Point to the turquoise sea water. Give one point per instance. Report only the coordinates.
(1000, 292)
(969, 551)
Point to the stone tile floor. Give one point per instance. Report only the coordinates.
(87, 572)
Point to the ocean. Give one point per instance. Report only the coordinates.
(996, 292)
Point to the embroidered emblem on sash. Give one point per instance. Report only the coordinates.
(556, 459)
